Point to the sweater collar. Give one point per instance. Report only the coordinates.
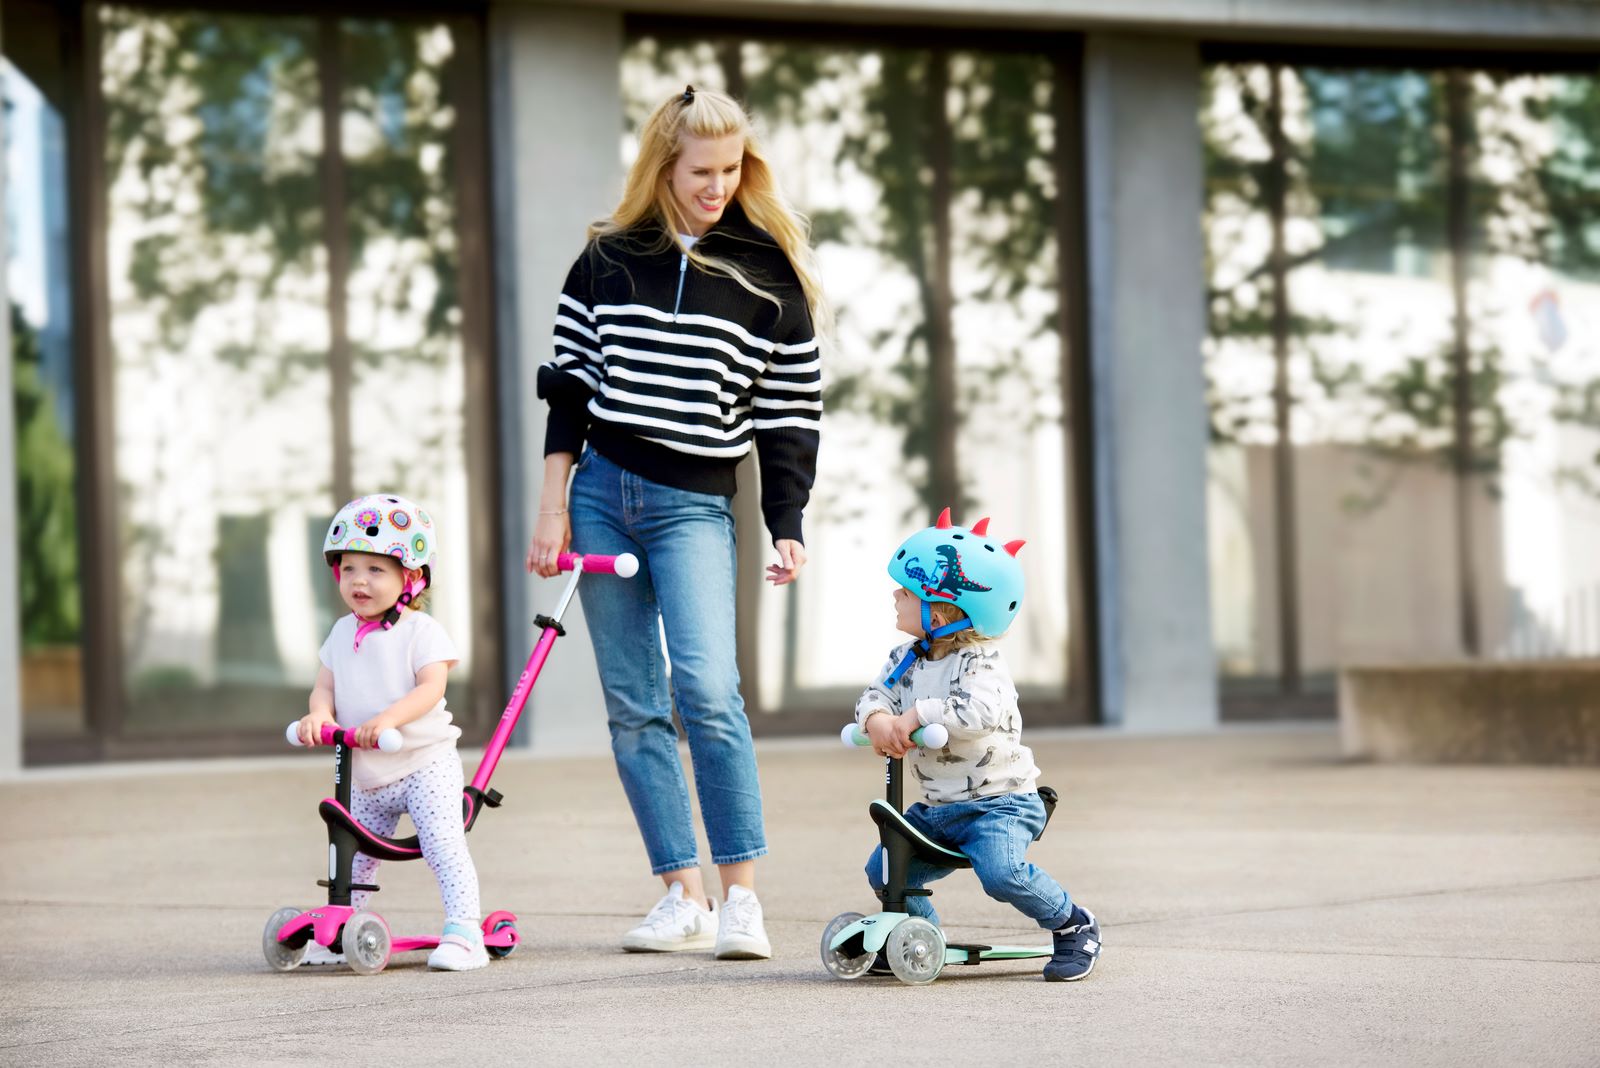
(735, 225)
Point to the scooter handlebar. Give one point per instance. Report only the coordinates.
(933, 736)
(389, 741)
(625, 566)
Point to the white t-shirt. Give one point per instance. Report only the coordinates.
(385, 669)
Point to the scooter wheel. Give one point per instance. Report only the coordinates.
(916, 951)
(282, 958)
(841, 965)
(366, 943)
(502, 952)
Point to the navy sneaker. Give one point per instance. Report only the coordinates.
(1077, 947)
(880, 965)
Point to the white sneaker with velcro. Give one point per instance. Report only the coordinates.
(460, 949)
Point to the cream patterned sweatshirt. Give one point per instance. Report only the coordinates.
(970, 692)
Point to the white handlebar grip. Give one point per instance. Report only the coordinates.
(293, 733)
(933, 736)
(389, 741)
(627, 565)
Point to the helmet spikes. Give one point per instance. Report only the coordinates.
(981, 527)
(1013, 546)
(943, 522)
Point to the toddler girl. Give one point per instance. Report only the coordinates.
(384, 665)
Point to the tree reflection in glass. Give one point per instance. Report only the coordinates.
(1434, 256)
(929, 179)
(219, 286)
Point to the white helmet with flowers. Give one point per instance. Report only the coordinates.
(390, 525)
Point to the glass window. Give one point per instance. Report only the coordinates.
(1012, 444)
(1432, 358)
(1533, 304)
(1240, 374)
(33, 84)
(1371, 371)
(403, 178)
(283, 320)
(929, 177)
(1331, 319)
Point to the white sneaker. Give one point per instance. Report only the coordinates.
(460, 949)
(317, 953)
(741, 935)
(674, 925)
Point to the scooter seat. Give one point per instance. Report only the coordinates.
(373, 845)
(885, 816)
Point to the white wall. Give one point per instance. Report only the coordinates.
(556, 154)
(1146, 323)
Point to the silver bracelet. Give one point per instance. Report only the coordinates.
(561, 512)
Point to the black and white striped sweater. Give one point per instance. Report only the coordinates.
(673, 372)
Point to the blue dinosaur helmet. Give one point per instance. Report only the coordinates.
(947, 564)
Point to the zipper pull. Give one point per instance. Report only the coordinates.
(683, 266)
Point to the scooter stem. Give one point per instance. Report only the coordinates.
(508, 718)
(624, 565)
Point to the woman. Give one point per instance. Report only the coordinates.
(686, 334)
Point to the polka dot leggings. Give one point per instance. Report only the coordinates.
(432, 796)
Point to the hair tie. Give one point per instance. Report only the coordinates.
(688, 95)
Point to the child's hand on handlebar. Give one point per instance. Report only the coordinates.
(904, 724)
(311, 727)
(366, 735)
(888, 737)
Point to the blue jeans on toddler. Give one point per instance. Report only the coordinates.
(994, 833)
(685, 545)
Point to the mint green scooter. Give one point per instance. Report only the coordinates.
(916, 949)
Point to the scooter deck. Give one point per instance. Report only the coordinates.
(501, 938)
(974, 953)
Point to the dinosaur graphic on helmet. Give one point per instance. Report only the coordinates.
(947, 564)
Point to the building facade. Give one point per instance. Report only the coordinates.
(1273, 328)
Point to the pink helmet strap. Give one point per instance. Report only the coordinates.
(414, 588)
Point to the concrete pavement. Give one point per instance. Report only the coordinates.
(1262, 901)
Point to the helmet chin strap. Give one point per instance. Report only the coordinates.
(413, 590)
(921, 647)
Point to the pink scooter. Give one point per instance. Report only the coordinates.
(362, 936)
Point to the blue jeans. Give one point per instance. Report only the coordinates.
(684, 542)
(994, 833)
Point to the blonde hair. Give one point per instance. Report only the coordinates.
(646, 196)
(943, 615)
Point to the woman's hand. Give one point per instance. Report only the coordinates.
(552, 533)
(791, 558)
(552, 536)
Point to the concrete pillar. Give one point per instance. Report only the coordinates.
(556, 155)
(1143, 188)
(10, 590)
